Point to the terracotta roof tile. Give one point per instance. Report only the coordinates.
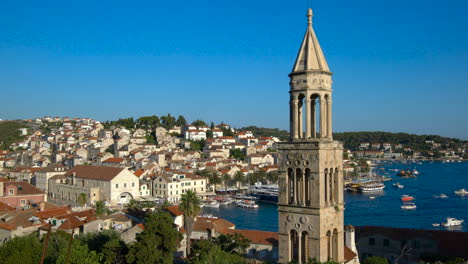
(174, 210)
(95, 172)
(257, 237)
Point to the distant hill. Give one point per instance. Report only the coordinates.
(351, 140)
(10, 133)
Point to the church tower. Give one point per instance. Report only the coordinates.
(310, 203)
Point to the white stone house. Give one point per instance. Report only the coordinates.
(100, 183)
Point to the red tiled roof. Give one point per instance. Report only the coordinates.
(94, 172)
(113, 160)
(257, 236)
(348, 254)
(24, 188)
(174, 210)
(6, 207)
(139, 172)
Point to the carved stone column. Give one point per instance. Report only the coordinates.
(329, 117)
(294, 114)
(308, 119)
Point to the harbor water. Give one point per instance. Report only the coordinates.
(435, 178)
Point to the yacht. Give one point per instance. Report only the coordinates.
(211, 204)
(461, 192)
(408, 206)
(406, 198)
(247, 204)
(452, 222)
(266, 193)
(245, 197)
(371, 187)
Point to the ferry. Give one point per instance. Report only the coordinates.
(247, 204)
(461, 192)
(408, 206)
(452, 222)
(406, 198)
(371, 187)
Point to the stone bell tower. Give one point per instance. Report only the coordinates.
(310, 203)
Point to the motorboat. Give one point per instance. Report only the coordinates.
(371, 187)
(398, 185)
(443, 196)
(247, 204)
(415, 172)
(352, 187)
(405, 173)
(408, 206)
(407, 198)
(452, 222)
(436, 224)
(372, 197)
(461, 192)
(211, 204)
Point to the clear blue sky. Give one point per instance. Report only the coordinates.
(398, 65)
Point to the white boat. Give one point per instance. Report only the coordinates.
(415, 172)
(452, 222)
(247, 204)
(442, 195)
(408, 206)
(436, 225)
(372, 197)
(398, 185)
(371, 187)
(461, 192)
(212, 204)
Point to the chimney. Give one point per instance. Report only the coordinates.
(350, 241)
(41, 206)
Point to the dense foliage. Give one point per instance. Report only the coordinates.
(10, 133)
(208, 251)
(157, 243)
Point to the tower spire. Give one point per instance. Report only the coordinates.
(309, 17)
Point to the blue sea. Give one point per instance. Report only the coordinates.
(435, 178)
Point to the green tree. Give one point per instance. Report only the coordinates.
(214, 179)
(100, 208)
(237, 154)
(10, 133)
(205, 251)
(133, 205)
(82, 199)
(212, 126)
(375, 260)
(168, 121)
(226, 180)
(25, 249)
(199, 123)
(239, 178)
(233, 243)
(80, 254)
(209, 133)
(157, 243)
(272, 177)
(190, 207)
(181, 121)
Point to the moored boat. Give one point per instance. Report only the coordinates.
(211, 204)
(406, 198)
(452, 222)
(461, 192)
(371, 187)
(436, 225)
(408, 206)
(247, 204)
(398, 185)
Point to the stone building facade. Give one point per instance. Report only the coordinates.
(310, 205)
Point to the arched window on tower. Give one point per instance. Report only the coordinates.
(300, 114)
(294, 249)
(325, 183)
(304, 247)
(331, 193)
(290, 186)
(336, 185)
(335, 245)
(329, 245)
(325, 116)
(299, 191)
(314, 115)
(308, 185)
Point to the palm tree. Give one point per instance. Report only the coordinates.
(214, 179)
(132, 204)
(239, 178)
(100, 208)
(226, 179)
(190, 207)
(82, 199)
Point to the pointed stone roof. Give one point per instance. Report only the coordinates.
(310, 56)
